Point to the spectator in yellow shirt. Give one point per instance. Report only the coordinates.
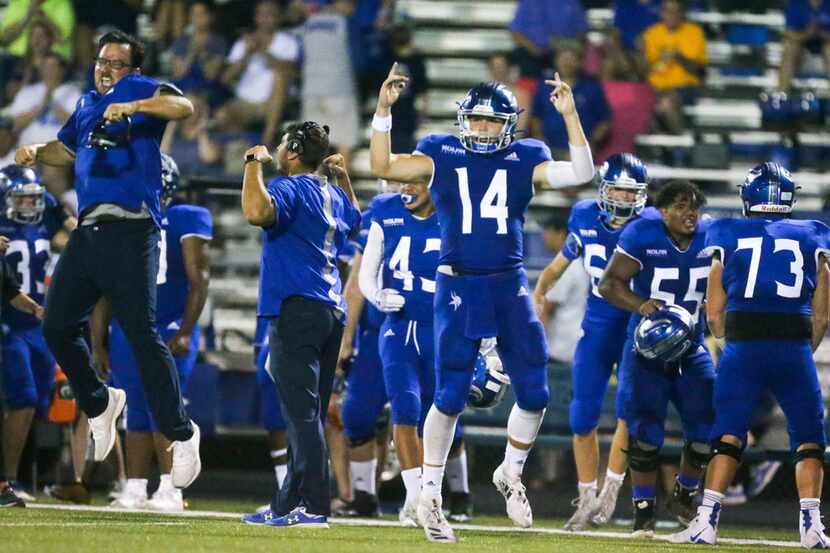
(675, 54)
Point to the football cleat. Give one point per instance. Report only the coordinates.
(734, 495)
(607, 501)
(364, 504)
(74, 493)
(644, 519)
(681, 504)
(167, 501)
(187, 462)
(703, 530)
(760, 476)
(10, 499)
(513, 491)
(21, 493)
(299, 518)
(102, 427)
(408, 516)
(130, 499)
(431, 516)
(587, 505)
(811, 529)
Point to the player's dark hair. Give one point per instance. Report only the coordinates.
(309, 141)
(557, 221)
(120, 37)
(679, 190)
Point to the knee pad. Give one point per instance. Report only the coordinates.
(719, 447)
(531, 388)
(523, 425)
(452, 390)
(406, 408)
(697, 454)
(584, 415)
(809, 453)
(643, 457)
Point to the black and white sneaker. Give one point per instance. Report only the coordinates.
(10, 499)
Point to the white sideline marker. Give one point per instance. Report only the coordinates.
(396, 524)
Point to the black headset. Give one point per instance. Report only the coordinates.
(296, 141)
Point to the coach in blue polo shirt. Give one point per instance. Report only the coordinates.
(306, 222)
(112, 139)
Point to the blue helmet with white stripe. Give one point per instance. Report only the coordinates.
(494, 101)
(768, 188)
(170, 179)
(665, 335)
(489, 380)
(627, 173)
(24, 195)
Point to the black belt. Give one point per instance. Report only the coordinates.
(747, 325)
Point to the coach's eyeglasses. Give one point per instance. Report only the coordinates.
(117, 65)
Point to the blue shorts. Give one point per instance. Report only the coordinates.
(365, 394)
(469, 308)
(408, 356)
(597, 352)
(648, 389)
(272, 418)
(28, 370)
(747, 369)
(125, 374)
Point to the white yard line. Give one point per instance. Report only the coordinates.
(387, 523)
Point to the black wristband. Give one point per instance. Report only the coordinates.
(249, 158)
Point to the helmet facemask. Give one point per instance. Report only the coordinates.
(622, 209)
(485, 143)
(25, 203)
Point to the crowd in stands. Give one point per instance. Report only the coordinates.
(251, 66)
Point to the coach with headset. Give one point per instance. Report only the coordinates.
(306, 221)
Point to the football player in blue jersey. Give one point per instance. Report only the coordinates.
(481, 183)
(768, 295)
(661, 262)
(593, 230)
(32, 225)
(182, 285)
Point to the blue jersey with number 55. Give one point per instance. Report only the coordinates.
(769, 265)
(410, 255)
(481, 201)
(667, 273)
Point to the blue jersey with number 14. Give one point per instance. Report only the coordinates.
(410, 255)
(769, 265)
(481, 201)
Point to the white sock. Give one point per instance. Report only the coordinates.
(363, 475)
(711, 498)
(810, 512)
(137, 486)
(613, 476)
(457, 474)
(165, 483)
(514, 461)
(587, 486)
(412, 483)
(280, 471)
(439, 430)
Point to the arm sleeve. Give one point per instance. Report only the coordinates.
(572, 173)
(68, 135)
(697, 45)
(794, 18)
(715, 240)
(371, 264)
(573, 243)
(428, 146)
(11, 287)
(630, 245)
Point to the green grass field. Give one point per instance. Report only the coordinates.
(44, 530)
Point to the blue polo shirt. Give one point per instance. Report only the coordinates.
(632, 17)
(128, 174)
(591, 105)
(799, 14)
(314, 221)
(541, 20)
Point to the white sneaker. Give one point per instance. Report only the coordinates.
(168, 500)
(436, 527)
(703, 530)
(607, 501)
(130, 500)
(187, 464)
(102, 427)
(408, 515)
(518, 507)
(812, 531)
(587, 505)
